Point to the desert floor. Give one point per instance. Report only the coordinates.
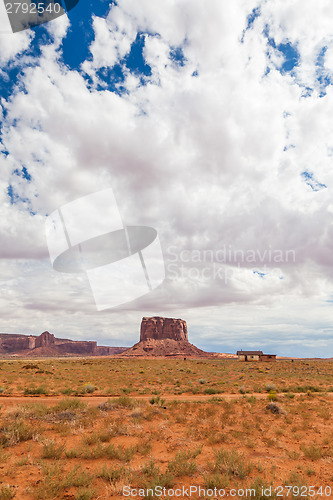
(120, 428)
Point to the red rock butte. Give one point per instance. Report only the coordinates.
(163, 328)
(164, 337)
(47, 344)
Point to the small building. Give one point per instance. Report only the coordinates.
(268, 357)
(255, 356)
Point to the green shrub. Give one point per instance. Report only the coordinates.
(89, 388)
(157, 400)
(123, 402)
(211, 390)
(272, 396)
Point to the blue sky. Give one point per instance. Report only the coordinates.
(212, 124)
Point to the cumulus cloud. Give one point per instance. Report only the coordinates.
(213, 147)
(11, 46)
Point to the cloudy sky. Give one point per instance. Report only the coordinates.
(211, 121)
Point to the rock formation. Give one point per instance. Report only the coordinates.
(164, 337)
(163, 328)
(45, 339)
(47, 344)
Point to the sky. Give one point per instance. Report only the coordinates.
(212, 123)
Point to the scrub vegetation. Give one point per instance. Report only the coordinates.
(152, 423)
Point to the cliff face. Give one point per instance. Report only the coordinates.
(78, 347)
(164, 337)
(12, 343)
(47, 344)
(157, 328)
(45, 339)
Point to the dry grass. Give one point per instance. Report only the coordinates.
(135, 376)
(72, 449)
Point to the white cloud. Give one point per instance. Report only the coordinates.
(58, 28)
(13, 44)
(210, 153)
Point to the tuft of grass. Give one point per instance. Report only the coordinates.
(294, 455)
(324, 413)
(182, 465)
(163, 480)
(56, 481)
(15, 432)
(150, 476)
(3, 455)
(85, 493)
(232, 463)
(217, 437)
(69, 404)
(67, 391)
(263, 490)
(34, 391)
(52, 450)
(297, 481)
(22, 462)
(123, 402)
(212, 390)
(215, 480)
(157, 400)
(6, 492)
(144, 447)
(36, 410)
(312, 452)
(113, 474)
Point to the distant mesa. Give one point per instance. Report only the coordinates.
(164, 337)
(47, 344)
(159, 337)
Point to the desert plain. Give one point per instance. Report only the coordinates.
(97, 428)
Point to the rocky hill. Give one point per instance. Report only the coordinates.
(164, 337)
(47, 344)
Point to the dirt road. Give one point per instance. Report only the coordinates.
(95, 400)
